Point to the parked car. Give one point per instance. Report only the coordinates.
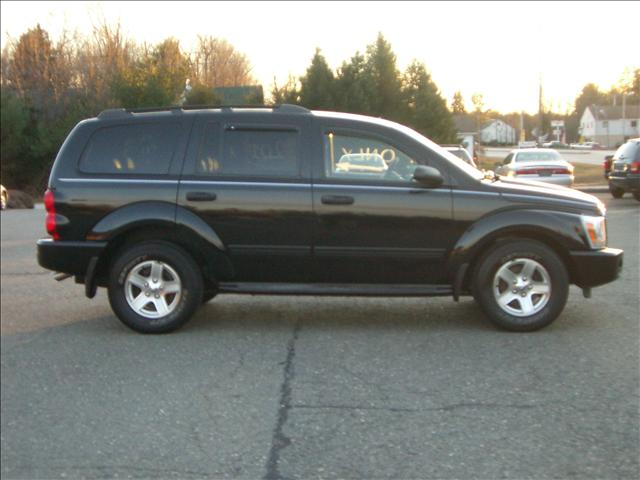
(623, 170)
(370, 163)
(4, 197)
(554, 144)
(586, 146)
(460, 152)
(528, 144)
(538, 164)
(170, 207)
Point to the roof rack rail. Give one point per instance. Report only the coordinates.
(122, 112)
(289, 108)
(113, 113)
(173, 108)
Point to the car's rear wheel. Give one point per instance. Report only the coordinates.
(154, 287)
(616, 192)
(522, 285)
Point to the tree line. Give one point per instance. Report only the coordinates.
(47, 87)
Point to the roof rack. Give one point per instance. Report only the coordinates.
(122, 112)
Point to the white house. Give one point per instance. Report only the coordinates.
(497, 131)
(466, 132)
(610, 125)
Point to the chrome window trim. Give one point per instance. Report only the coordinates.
(115, 180)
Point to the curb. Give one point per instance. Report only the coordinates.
(592, 188)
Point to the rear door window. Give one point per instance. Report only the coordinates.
(131, 149)
(253, 152)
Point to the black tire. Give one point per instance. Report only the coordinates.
(616, 192)
(514, 254)
(176, 262)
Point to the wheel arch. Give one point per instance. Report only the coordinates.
(559, 231)
(146, 221)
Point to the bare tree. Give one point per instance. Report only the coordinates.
(216, 63)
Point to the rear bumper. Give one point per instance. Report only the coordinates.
(562, 180)
(68, 257)
(596, 267)
(630, 183)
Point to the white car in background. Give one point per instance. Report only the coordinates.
(539, 164)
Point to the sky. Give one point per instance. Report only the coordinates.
(498, 49)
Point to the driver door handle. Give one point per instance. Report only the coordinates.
(337, 200)
(201, 196)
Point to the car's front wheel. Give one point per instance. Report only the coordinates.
(155, 287)
(522, 285)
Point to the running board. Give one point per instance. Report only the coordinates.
(337, 289)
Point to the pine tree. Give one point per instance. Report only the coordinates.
(426, 110)
(318, 84)
(457, 105)
(384, 74)
(354, 87)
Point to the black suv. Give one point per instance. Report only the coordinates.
(168, 208)
(623, 170)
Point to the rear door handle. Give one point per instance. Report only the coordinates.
(337, 200)
(201, 196)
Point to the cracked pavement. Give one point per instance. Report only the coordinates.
(310, 387)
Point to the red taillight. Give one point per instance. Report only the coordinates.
(50, 222)
(561, 171)
(529, 171)
(634, 167)
(607, 165)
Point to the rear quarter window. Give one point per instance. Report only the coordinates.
(131, 149)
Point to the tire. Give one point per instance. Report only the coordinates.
(538, 298)
(616, 192)
(139, 301)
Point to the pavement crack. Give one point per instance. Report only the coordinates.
(279, 440)
(356, 407)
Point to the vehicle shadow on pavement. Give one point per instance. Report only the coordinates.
(338, 313)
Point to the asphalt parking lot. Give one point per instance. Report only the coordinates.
(310, 387)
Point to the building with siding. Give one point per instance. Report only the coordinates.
(610, 125)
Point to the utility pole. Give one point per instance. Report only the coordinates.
(540, 108)
(624, 120)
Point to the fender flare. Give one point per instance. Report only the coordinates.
(153, 213)
(561, 230)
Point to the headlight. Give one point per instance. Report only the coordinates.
(596, 230)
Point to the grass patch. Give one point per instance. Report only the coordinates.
(586, 174)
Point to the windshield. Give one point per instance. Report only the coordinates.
(460, 164)
(537, 156)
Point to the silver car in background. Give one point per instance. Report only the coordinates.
(539, 164)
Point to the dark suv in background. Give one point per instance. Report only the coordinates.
(167, 208)
(622, 170)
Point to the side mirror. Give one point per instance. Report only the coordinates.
(428, 176)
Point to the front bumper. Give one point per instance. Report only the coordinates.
(595, 267)
(68, 257)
